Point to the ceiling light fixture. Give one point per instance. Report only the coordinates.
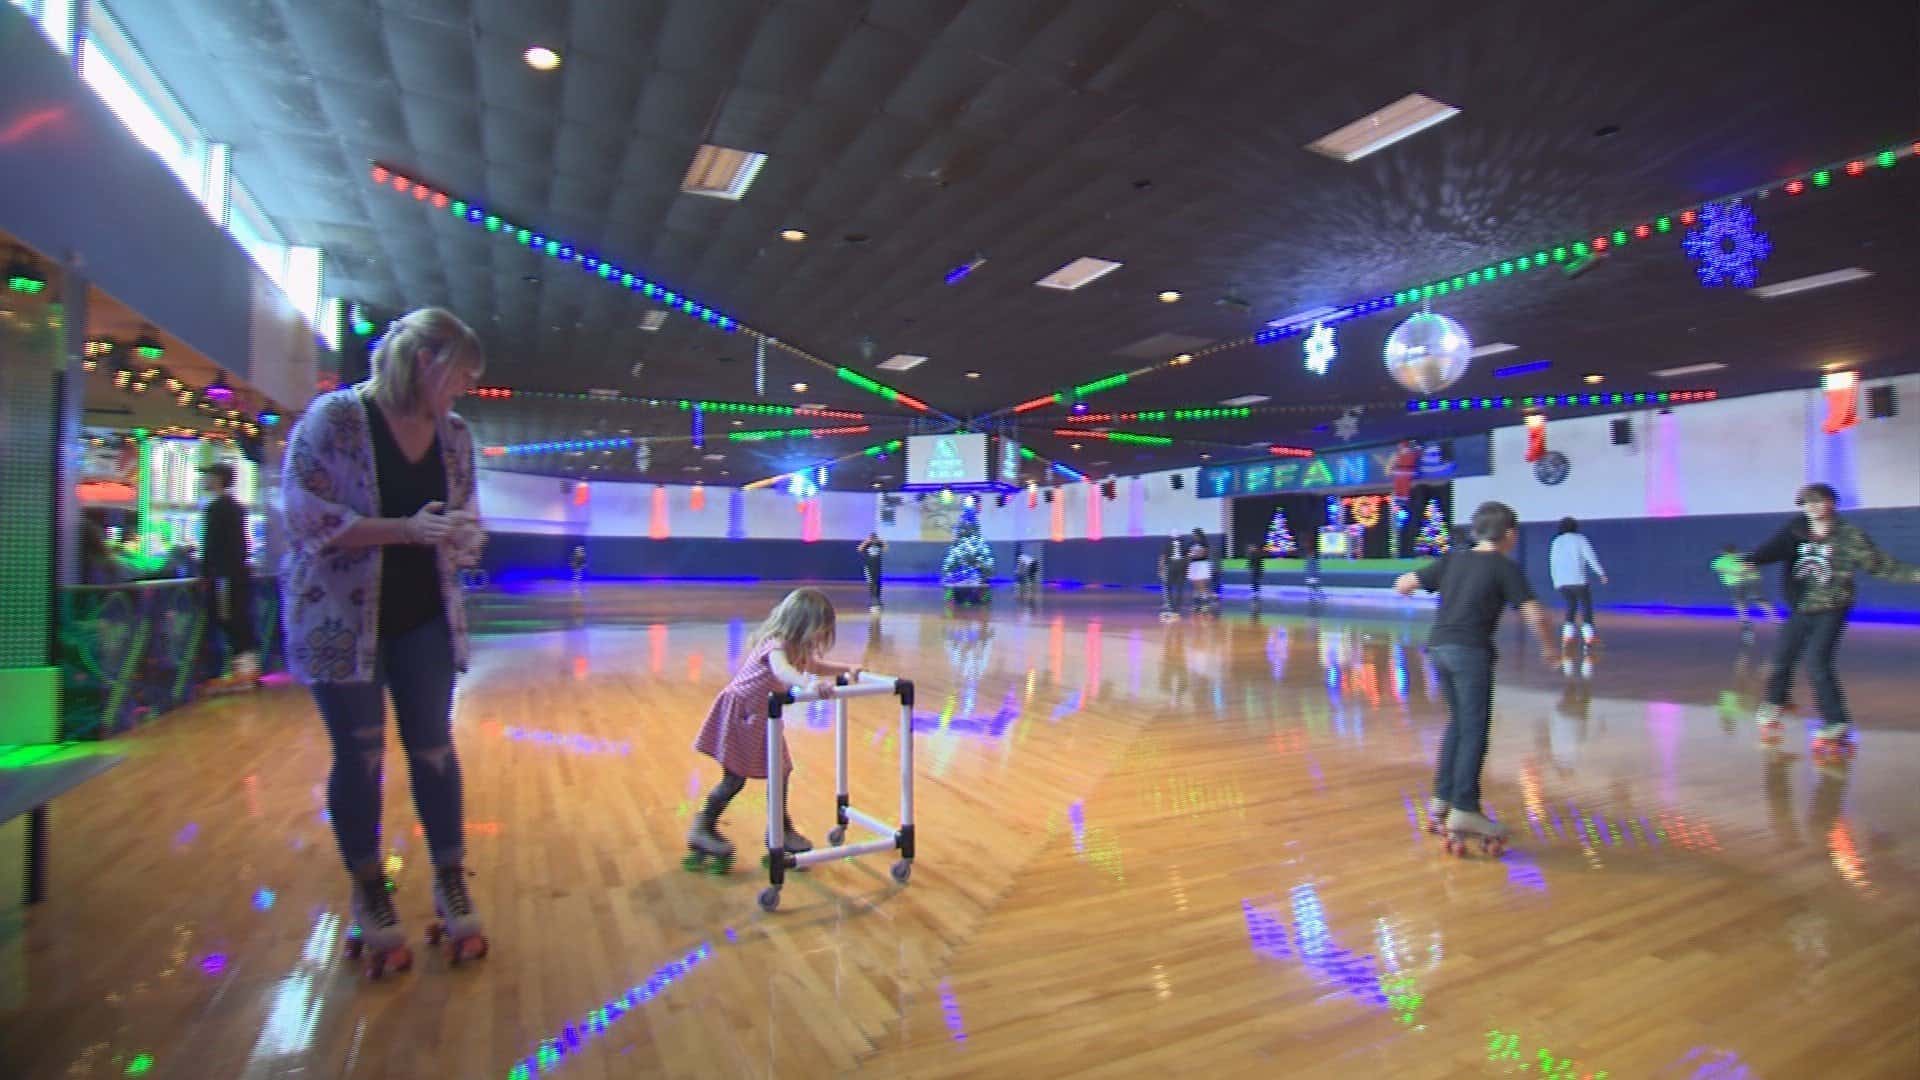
(1079, 272)
(1170, 297)
(541, 58)
(721, 172)
(1810, 283)
(1595, 380)
(794, 236)
(799, 388)
(901, 362)
(1689, 369)
(1378, 130)
(973, 374)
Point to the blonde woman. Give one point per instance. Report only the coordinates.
(381, 517)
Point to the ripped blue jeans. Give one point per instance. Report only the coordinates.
(416, 669)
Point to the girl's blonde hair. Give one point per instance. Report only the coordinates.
(396, 368)
(802, 624)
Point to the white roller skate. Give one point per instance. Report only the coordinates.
(1466, 829)
(455, 923)
(1435, 822)
(707, 850)
(1833, 743)
(375, 933)
(1767, 719)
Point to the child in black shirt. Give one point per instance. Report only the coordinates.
(1474, 586)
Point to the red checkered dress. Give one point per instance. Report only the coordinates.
(735, 733)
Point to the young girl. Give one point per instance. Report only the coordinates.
(785, 652)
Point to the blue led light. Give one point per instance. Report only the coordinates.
(1727, 246)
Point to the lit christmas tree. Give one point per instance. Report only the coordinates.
(968, 565)
(1435, 538)
(1280, 542)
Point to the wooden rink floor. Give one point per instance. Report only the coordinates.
(1145, 849)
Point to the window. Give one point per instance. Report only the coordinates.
(110, 64)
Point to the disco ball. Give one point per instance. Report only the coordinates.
(1428, 353)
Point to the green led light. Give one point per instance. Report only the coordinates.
(1473, 277)
(866, 384)
(141, 1065)
(20, 283)
(1619, 238)
(459, 209)
(1663, 397)
(523, 237)
(1663, 225)
(1141, 440)
(1560, 254)
(1426, 293)
(1506, 268)
(1108, 383)
(1822, 178)
(1580, 249)
(553, 248)
(1459, 283)
(493, 223)
(1885, 160)
(1027, 455)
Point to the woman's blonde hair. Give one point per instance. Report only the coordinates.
(802, 624)
(396, 371)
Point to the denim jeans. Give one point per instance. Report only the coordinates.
(1578, 598)
(1816, 636)
(1466, 678)
(416, 668)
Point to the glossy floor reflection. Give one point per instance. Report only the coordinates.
(1144, 849)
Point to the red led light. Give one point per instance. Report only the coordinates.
(494, 451)
(1036, 403)
(401, 183)
(380, 174)
(1855, 168)
(1289, 451)
(1795, 187)
(912, 403)
(1688, 217)
(420, 192)
(439, 200)
(1643, 231)
(1599, 243)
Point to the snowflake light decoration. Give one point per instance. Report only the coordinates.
(1727, 246)
(1320, 349)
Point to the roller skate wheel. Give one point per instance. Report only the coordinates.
(836, 834)
(902, 870)
(721, 866)
(394, 961)
(693, 862)
(353, 947)
(435, 932)
(769, 899)
(467, 948)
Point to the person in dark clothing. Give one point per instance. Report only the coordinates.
(1256, 568)
(1475, 586)
(226, 578)
(1822, 552)
(872, 550)
(1173, 577)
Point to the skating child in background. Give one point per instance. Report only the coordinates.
(1743, 583)
(1826, 552)
(1474, 586)
(786, 651)
(1200, 573)
(1173, 577)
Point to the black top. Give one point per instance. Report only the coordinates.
(223, 539)
(409, 573)
(872, 550)
(1257, 563)
(1474, 586)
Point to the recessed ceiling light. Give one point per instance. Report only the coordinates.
(1073, 446)
(1378, 130)
(1595, 380)
(1811, 282)
(901, 362)
(721, 172)
(1079, 272)
(1170, 297)
(1690, 369)
(652, 321)
(1492, 348)
(1206, 457)
(973, 374)
(799, 388)
(716, 457)
(1247, 399)
(793, 236)
(541, 58)
(739, 423)
(1183, 359)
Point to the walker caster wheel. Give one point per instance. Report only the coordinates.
(836, 834)
(902, 870)
(769, 899)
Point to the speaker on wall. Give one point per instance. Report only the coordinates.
(1107, 490)
(1882, 402)
(1178, 480)
(1622, 431)
(1049, 494)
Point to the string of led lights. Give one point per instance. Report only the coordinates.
(478, 216)
(1562, 401)
(604, 397)
(1558, 253)
(1139, 438)
(776, 434)
(625, 442)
